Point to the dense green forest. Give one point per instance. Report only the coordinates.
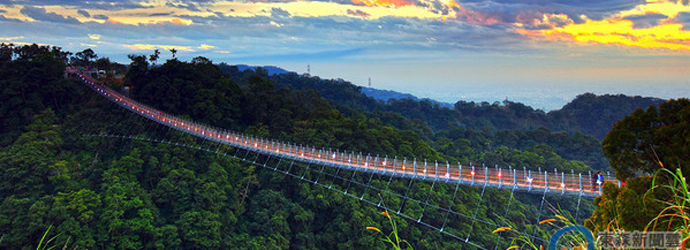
(129, 194)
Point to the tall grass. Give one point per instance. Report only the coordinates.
(544, 232)
(392, 239)
(46, 246)
(669, 188)
(676, 214)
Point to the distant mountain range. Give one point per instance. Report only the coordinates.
(378, 94)
(588, 113)
(385, 95)
(272, 70)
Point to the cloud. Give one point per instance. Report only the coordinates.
(620, 32)
(654, 25)
(100, 17)
(98, 5)
(279, 13)
(384, 3)
(684, 19)
(358, 13)
(40, 14)
(11, 20)
(175, 21)
(84, 13)
(547, 21)
(206, 47)
(189, 6)
(160, 14)
(296, 26)
(646, 21)
(140, 46)
(530, 12)
(94, 36)
(11, 38)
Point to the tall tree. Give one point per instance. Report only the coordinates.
(647, 140)
(153, 58)
(84, 58)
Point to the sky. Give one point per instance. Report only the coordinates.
(539, 52)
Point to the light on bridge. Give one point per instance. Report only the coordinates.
(500, 174)
(447, 175)
(562, 185)
(472, 173)
(333, 156)
(529, 179)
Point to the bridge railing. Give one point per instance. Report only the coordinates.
(510, 178)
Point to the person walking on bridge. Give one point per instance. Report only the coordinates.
(600, 179)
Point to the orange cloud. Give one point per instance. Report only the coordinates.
(618, 29)
(140, 46)
(113, 21)
(618, 32)
(473, 17)
(176, 21)
(384, 3)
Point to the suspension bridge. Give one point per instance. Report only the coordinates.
(556, 183)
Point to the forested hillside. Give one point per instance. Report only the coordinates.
(587, 113)
(128, 194)
(573, 132)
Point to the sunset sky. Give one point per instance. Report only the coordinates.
(540, 52)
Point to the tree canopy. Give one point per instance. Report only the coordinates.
(650, 139)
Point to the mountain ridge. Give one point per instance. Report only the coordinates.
(588, 113)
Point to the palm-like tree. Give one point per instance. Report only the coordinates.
(154, 57)
(173, 51)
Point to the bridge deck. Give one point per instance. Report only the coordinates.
(569, 184)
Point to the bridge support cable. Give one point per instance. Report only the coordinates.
(297, 171)
(541, 208)
(476, 211)
(450, 205)
(505, 216)
(389, 193)
(415, 200)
